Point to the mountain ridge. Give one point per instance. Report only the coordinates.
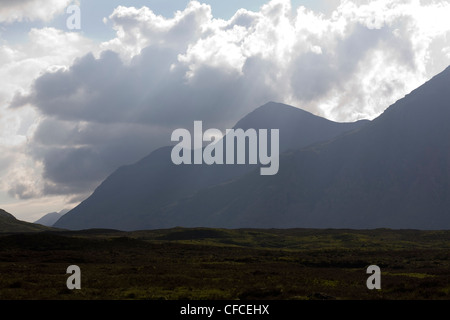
(394, 173)
(150, 181)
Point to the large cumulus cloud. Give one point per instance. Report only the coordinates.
(21, 63)
(30, 10)
(160, 73)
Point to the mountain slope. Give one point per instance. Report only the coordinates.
(5, 215)
(134, 196)
(394, 172)
(9, 224)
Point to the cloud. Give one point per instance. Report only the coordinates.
(158, 74)
(46, 50)
(79, 155)
(30, 10)
(140, 28)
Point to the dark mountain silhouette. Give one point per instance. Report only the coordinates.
(9, 224)
(137, 196)
(394, 172)
(6, 215)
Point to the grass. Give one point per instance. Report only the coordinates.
(211, 264)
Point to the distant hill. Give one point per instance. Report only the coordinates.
(9, 224)
(133, 196)
(50, 218)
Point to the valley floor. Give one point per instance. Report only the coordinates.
(219, 264)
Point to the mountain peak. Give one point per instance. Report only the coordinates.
(276, 108)
(135, 196)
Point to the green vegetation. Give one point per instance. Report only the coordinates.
(226, 264)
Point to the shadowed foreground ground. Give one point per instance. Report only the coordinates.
(226, 264)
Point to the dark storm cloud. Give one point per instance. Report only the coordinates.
(103, 114)
(77, 156)
(104, 90)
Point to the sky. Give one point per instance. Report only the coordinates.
(76, 104)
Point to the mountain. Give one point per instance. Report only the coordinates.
(137, 196)
(50, 218)
(392, 173)
(9, 224)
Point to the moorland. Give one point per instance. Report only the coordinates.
(223, 264)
